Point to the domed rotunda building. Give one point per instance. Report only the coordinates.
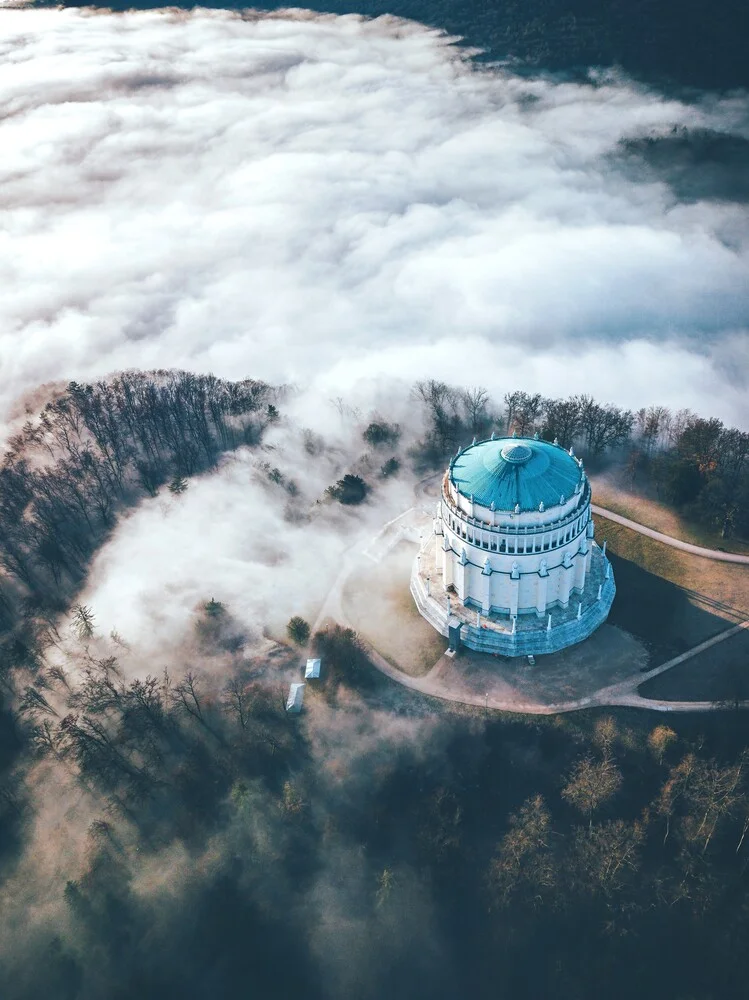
(511, 566)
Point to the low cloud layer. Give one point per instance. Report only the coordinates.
(346, 205)
(227, 538)
(322, 199)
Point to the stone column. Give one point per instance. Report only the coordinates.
(566, 580)
(439, 533)
(486, 578)
(542, 586)
(581, 565)
(461, 571)
(448, 562)
(514, 588)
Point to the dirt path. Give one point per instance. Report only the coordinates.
(676, 543)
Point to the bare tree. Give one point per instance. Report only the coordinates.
(474, 405)
(345, 410)
(677, 423)
(659, 740)
(440, 401)
(186, 695)
(701, 442)
(651, 423)
(561, 420)
(522, 858)
(605, 855)
(523, 410)
(604, 426)
(236, 699)
(83, 621)
(591, 784)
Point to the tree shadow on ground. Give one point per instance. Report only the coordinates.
(12, 798)
(719, 674)
(667, 618)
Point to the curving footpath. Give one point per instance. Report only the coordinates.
(623, 693)
(676, 543)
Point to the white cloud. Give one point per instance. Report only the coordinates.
(226, 538)
(313, 198)
(325, 200)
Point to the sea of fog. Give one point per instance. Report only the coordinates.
(346, 205)
(338, 202)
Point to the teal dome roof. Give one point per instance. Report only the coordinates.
(511, 471)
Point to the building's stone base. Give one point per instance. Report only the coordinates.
(494, 633)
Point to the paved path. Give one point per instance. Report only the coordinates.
(676, 543)
(623, 693)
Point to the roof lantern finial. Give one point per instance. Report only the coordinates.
(541, 507)
(572, 451)
(556, 439)
(474, 440)
(535, 436)
(517, 508)
(493, 506)
(561, 497)
(493, 436)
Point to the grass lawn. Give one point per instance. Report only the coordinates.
(720, 673)
(670, 599)
(658, 516)
(379, 605)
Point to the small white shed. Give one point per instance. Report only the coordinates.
(312, 669)
(295, 699)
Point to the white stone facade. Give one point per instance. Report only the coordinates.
(511, 566)
(513, 563)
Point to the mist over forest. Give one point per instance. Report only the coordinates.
(262, 274)
(158, 800)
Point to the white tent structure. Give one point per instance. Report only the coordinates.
(296, 698)
(312, 669)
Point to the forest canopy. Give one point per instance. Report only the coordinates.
(599, 847)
